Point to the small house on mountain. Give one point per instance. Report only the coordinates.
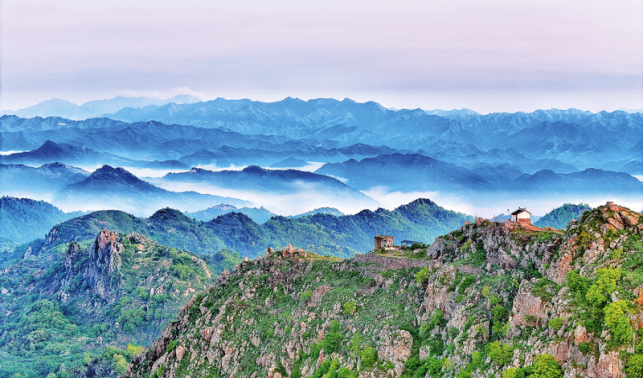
(383, 241)
(521, 216)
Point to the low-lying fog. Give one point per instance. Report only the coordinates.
(308, 198)
(305, 199)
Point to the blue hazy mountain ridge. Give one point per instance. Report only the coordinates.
(93, 109)
(563, 141)
(258, 215)
(634, 167)
(281, 182)
(409, 173)
(66, 153)
(22, 180)
(342, 236)
(148, 140)
(116, 188)
(595, 181)
(292, 116)
(289, 162)
(578, 138)
(226, 156)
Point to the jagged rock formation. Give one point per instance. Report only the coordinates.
(101, 271)
(485, 300)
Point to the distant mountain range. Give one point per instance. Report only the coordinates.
(566, 135)
(92, 109)
(413, 172)
(290, 162)
(259, 215)
(21, 180)
(271, 182)
(66, 153)
(460, 152)
(560, 140)
(396, 171)
(116, 188)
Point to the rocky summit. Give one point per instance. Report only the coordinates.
(487, 300)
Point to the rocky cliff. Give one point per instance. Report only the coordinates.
(486, 300)
(99, 266)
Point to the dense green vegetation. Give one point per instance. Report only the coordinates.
(325, 234)
(561, 216)
(23, 219)
(67, 313)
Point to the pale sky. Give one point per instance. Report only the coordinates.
(484, 55)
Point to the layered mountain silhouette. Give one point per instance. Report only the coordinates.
(363, 142)
(116, 188)
(66, 153)
(290, 162)
(21, 180)
(258, 215)
(344, 235)
(92, 109)
(398, 171)
(413, 172)
(275, 182)
(560, 140)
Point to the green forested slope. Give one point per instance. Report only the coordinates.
(326, 234)
(86, 301)
(561, 216)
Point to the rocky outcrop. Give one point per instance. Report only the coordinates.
(99, 265)
(318, 295)
(396, 349)
(528, 309)
(293, 311)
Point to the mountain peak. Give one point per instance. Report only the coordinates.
(420, 202)
(109, 173)
(50, 146)
(254, 169)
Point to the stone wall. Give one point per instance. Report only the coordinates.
(394, 263)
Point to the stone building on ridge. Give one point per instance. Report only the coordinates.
(383, 241)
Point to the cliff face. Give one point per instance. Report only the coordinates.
(99, 266)
(486, 300)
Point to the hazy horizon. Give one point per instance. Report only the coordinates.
(489, 57)
(396, 103)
